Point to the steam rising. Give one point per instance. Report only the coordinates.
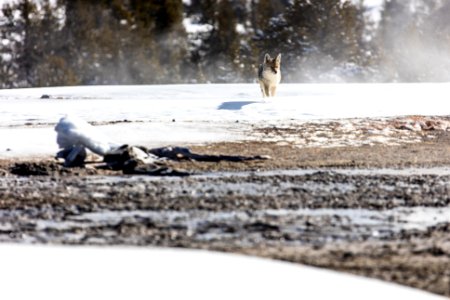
(401, 41)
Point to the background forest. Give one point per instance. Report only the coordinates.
(80, 42)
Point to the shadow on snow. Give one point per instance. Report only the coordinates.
(234, 105)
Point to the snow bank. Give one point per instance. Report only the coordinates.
(132, 273)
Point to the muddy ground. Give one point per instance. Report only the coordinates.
(327, 202)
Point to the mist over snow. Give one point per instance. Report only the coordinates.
(224, 42)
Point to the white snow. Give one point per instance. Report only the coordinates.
(372, 3)
(147, 273)
(73, 131)
(189, 114)
(6, 57)
(373, 9)
(3, 2)
(240, 28)
(192, 27)
(215, 102)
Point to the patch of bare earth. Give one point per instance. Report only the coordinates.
(43, 202)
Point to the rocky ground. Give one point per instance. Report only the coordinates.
(370, 197)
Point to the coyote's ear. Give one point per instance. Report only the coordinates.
(267, 58)
(278, 59)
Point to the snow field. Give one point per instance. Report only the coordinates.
(185, 114)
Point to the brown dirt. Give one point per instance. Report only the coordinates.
(40, 191)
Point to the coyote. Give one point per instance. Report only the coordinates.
(269, 75)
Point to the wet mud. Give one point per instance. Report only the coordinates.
(378, 210)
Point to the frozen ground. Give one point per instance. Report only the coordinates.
(385, 223)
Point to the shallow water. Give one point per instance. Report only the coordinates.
(287, 207)
(439, 171)
(303, 225)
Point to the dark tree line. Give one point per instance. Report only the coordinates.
(80, 42)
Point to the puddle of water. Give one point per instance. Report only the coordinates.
(438, 171)
(362, 221)
(205, 226)
(426, 217)
(419, 218)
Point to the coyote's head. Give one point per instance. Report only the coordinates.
(273, 63)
